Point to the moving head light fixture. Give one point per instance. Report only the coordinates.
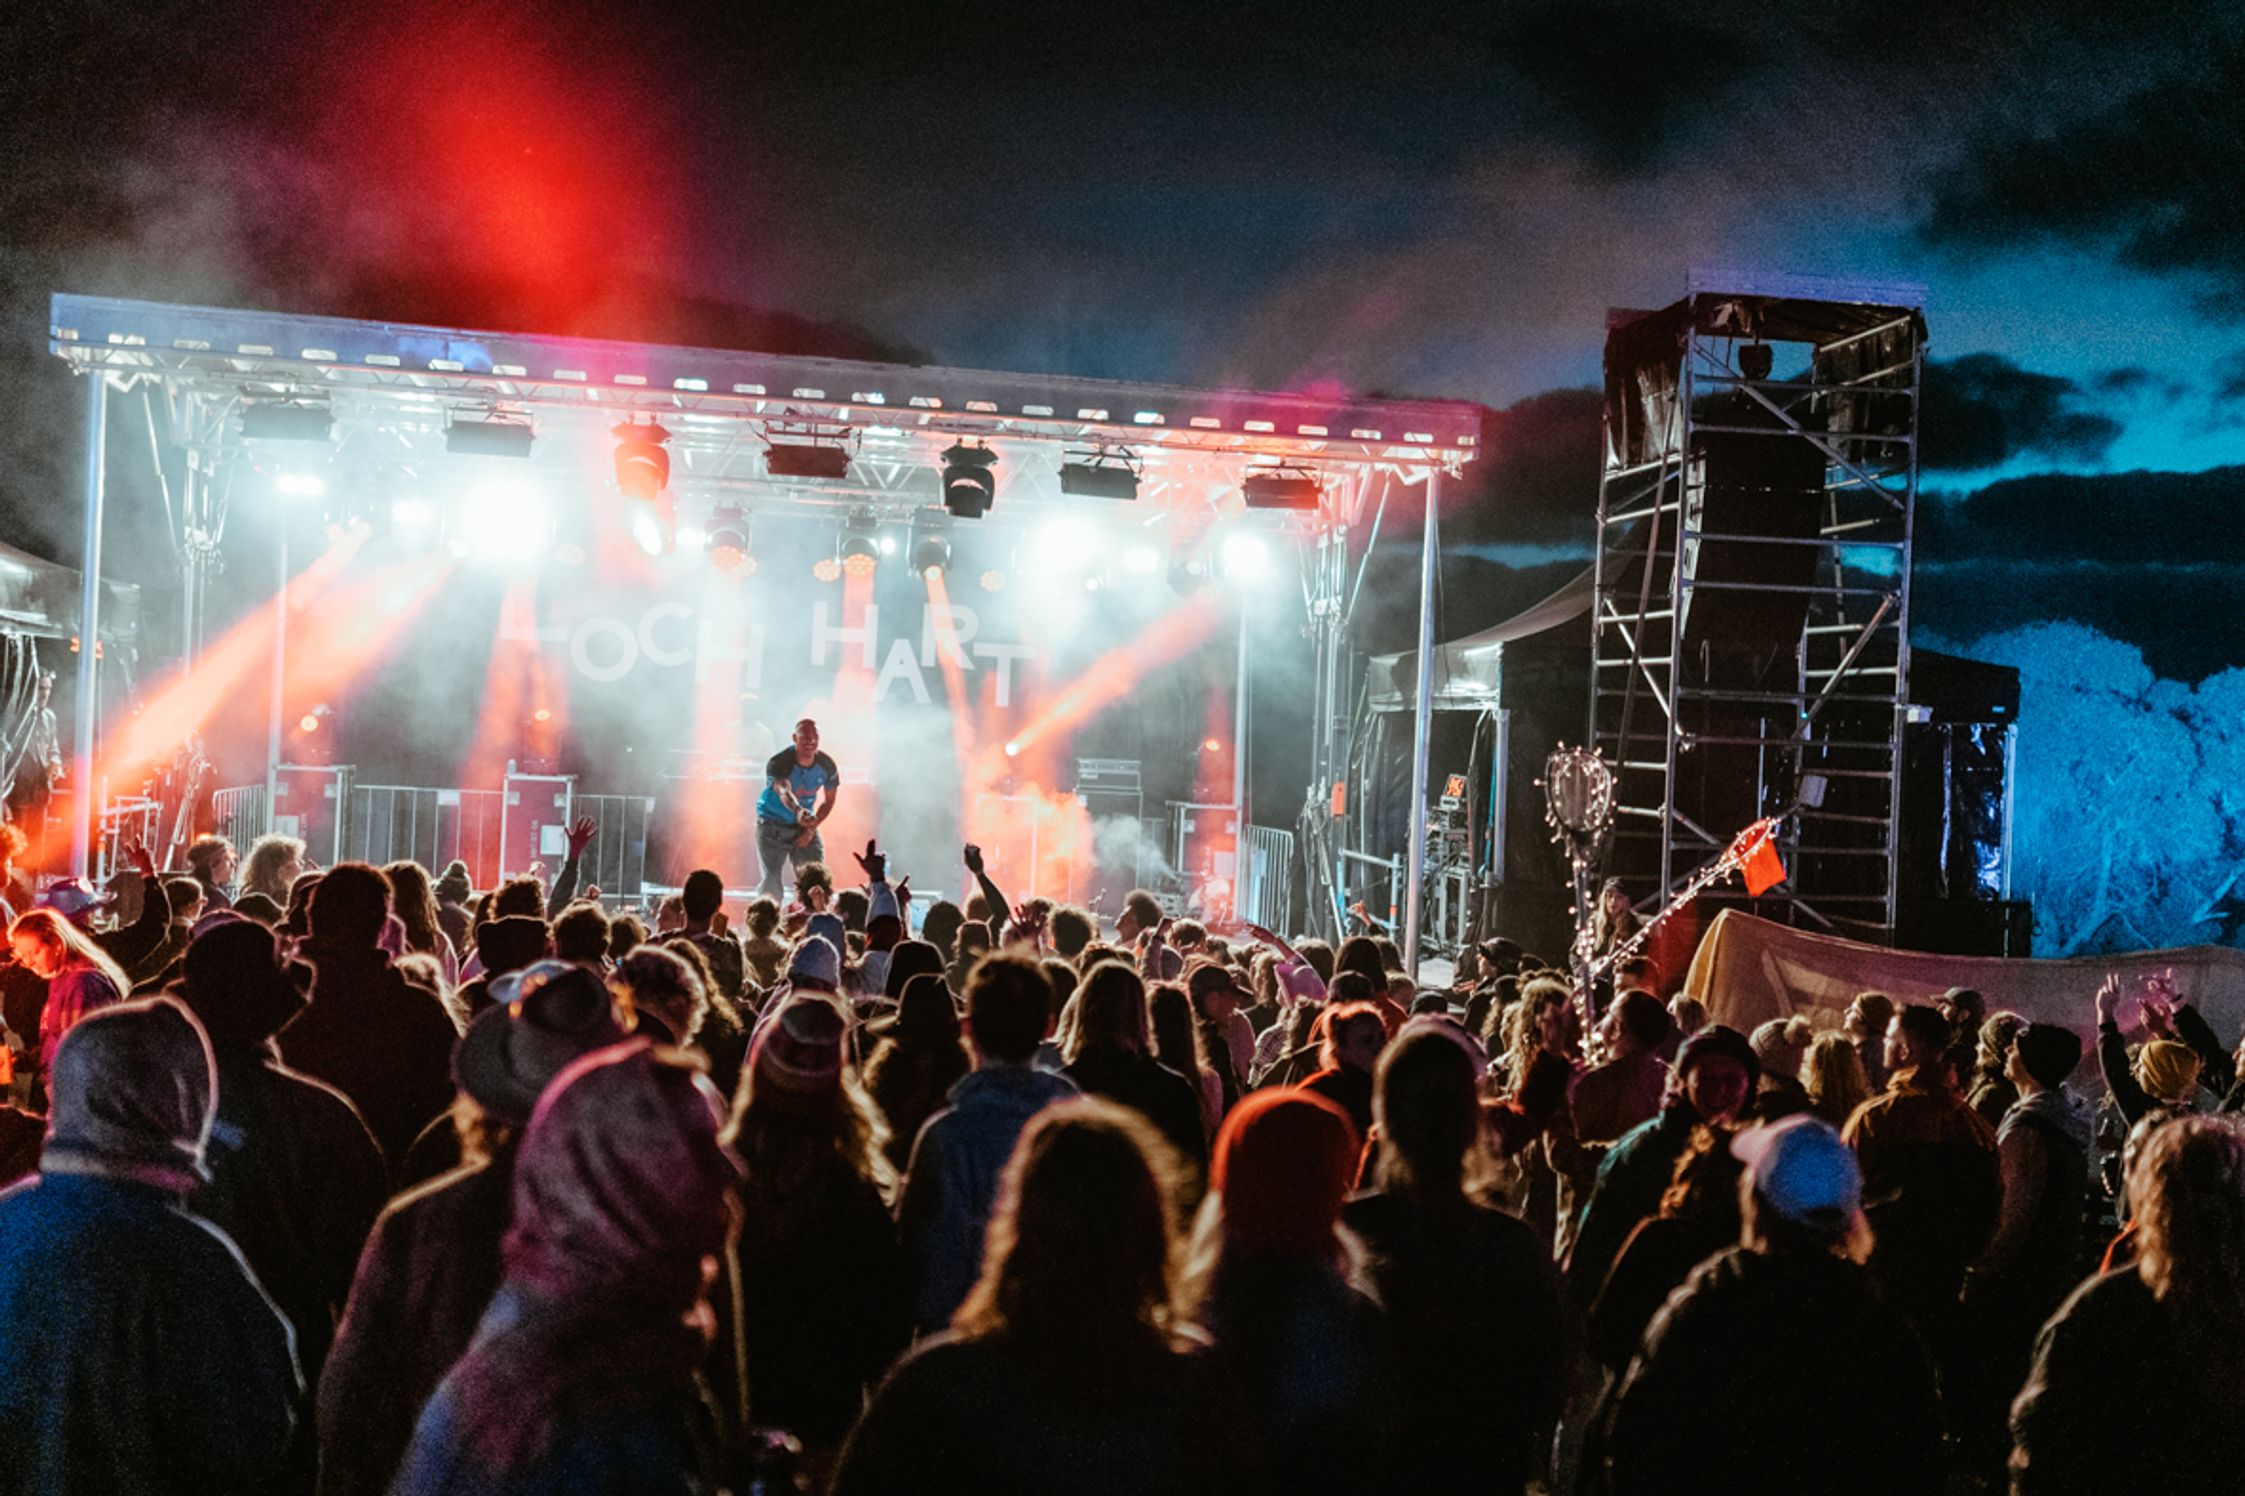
(727, 543)
(859, 550)
(642, 462)
(969, 483)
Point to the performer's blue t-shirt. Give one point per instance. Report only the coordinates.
(806, 780)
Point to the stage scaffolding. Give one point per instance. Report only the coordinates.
(391, 391)
(1752, 611)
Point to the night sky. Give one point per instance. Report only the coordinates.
(1394, 199)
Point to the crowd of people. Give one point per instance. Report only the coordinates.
(357, 1180)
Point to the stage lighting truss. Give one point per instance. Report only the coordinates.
(727, 542)
(807, 449)
(970, 480)
(858, 549)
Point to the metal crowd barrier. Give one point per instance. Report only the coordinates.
(1266, 877)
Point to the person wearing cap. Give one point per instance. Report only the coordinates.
(296, 1177)
(918, 1058)
(137, 1350)
(1217, 999)
(1306, 1348)
(1713, 1079)
(951, 1181)
(2034, 1258)
(585, 1372)
(1931, 1179)
(1782, 1347)
(432, 1262)
(367, 1032)
(1458, 1277)
(826, 1304)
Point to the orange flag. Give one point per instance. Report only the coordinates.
(1763, 868)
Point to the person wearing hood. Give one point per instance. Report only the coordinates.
(432, 1262)
(1714, 1077)
(296, 1177)
(453, 894)
(137, 1350)
(585, 1372)
(951, 1180)
(2034, 1259)
(367, 1032)
(1302, 1345)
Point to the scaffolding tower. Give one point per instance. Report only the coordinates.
(1752, 612)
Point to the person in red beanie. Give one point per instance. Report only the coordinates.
(1305, 1348)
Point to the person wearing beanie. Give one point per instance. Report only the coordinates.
(584, 1374)
(432, 1263)
(1931, 1177)
(1780, 1045)
(366, 1031)
(918, 1058)
(951, 1181)
(1786, 1344)
(1713, 1080)
(826, 1305)
(137, 1350)
(815, 966)
(296, 1179)
(1306, 1348)
(2033, 1260)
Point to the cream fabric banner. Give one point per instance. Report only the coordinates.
(1750, 970)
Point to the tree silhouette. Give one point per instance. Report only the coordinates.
(2129, 803)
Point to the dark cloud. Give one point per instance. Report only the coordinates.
(2154, 175)
(1625, 84)
(2108, 519)
(1983, 410)
(2229, 379)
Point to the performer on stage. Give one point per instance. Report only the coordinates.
(787, 819)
